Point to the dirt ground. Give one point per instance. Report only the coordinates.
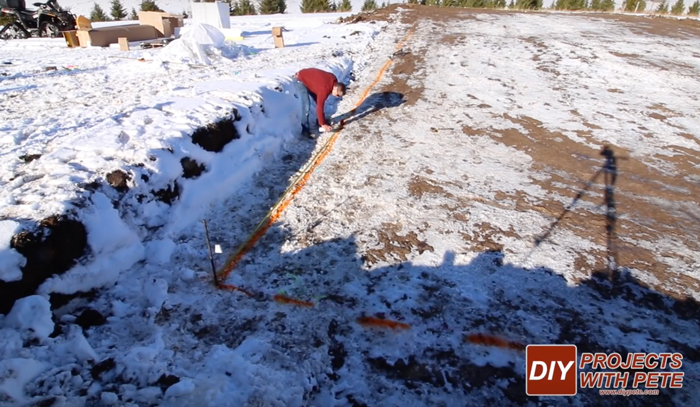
(641, 192)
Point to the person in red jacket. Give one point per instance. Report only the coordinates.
(318, 84)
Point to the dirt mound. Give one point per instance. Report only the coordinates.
(118, 179)
(214, 137)
(382, 14)
(51, 249)
(191, 168)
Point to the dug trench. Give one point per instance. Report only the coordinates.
(55, 244)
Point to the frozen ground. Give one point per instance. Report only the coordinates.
(479, 135)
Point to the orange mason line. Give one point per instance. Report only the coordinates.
(283, 203)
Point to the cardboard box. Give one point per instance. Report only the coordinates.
(123, 43)
(165, 23)
(277, 36)
(83, 23)
(71, 38)
(102, 37)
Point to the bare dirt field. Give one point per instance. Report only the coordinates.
(477, 165)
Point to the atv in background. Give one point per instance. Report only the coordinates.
(49, 20)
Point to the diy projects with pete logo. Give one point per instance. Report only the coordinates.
(556, 370)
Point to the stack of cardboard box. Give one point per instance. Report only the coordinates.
(152, 25)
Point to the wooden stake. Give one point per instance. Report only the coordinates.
(211, 254)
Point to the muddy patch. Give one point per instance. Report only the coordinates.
(420, 186)
(394, 247)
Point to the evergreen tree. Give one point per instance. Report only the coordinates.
(578, 5)
(369, 5)
(634, 5)
(315, 6)
(499, 4)
(324, 6)
(133, 15)
(663, 8)
(528, 4)
(97, 14)
(233, 9)
(694, 9)
(117, 12)
(272, 6)
(245, 8)
(307, 6)
(334, 6)
(678, 8)
(149, 5)
(607, 5)
(561, 5)
(596, 5)
(346, 6)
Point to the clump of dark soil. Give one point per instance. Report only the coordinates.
(169, 194)
(118, 179)
(381, 14)
(165, 381)
(52, 249)
(411, 371)
(191, 168)
(27, 158)
(215, 136)
(90, 317)
(102, 367)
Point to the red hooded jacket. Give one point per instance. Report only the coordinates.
(320, 83)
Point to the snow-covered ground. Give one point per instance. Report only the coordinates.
(98, 110)
(83, 113)
(394, 224)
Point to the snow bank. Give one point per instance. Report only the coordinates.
(198, 43)
(15, 373)
(76, 346)
(115, 247)
(180, 388)
(31, 316)
(10, 259)
(232, 377)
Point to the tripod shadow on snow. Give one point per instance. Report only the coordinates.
(373, 103)
(443, 304)
(609, 171)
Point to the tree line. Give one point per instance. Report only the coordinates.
(117, 11)
(252, 7)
